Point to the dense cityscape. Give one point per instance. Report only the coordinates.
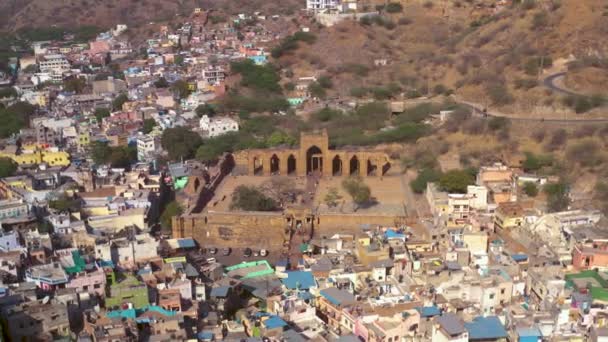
(223, 175)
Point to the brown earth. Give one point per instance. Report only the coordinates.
(16, 14)
(589, 80)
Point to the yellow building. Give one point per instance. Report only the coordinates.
(509, 215)
(84, 139)
(39, 156)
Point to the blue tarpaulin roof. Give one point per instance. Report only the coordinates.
(186, 243)
(391, 234)
(274, 322)
(484, 328)
(299, 280)
(519, 257)
(529, 332)
(428, 311)
(205, 335)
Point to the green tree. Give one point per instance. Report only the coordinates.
(14, 118)
(171, 210)
(119, 101)
(250, 198)
(180, 142)
(394, 7)
(181, 89)
(530, 189)
(557, 196)
(456, 181)
(278, 138)
(357, 190)
(332, 198)
(316, 90)
(424, 177)
(205, 109)
(101, 113)
(122, 156)
(161, 83)
(100, 152)
(75, 85)
(149, 125)
(7, 167)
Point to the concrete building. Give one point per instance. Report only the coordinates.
(449, 328)
(54, 65)
(218, 126)
(146, 148)
(322, 5)
(36, 321)
(125, 252)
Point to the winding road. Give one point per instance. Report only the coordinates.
(549, 83)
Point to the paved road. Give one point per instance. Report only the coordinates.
(549, 83)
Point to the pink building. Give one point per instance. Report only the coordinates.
(99, 47)
(590, 255)
(91, 282)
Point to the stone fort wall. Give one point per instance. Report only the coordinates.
(267, 230)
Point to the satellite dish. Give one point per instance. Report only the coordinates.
(46, 300)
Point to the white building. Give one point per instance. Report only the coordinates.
(55, 65)
(146, 148)
(322, 5)
(218, 126)
(125, 252)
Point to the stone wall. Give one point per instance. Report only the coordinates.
(233, 229)
(267, 230)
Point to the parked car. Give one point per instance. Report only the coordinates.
(226, 251)
(247, 253)
(212, 250)
(263, 252)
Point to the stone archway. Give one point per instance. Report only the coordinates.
(275, 163)
(386, 166)
(354, 166)
(258, 166)
(314, 160)
(291, 164)
(372, 168)
(336, 166)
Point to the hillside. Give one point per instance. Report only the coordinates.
(496, 60)
(17, 14)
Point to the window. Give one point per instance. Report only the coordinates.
(502, 291)
(491, 296)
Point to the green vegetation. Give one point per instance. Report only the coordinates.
(7, 93)
(75, 85)
(359, 191)
(101, 113)
(534, 65)
(172, 209)
(14, 118)
(250, 198)
(260, 78)
(119, 101)
(585, 152)
(7, 167)
(149, 125)
(180, 142)
(582, 104)
(530, 189)
(205, 109)
(394, 7)
(181, 88)
(65, 203)
(534, 163)
(557, 196)
(290, 43)
(332, 198)
(424, 177)
(456, 181)
(119, 157)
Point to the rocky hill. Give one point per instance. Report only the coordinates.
(17, 14)
(495, 58)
